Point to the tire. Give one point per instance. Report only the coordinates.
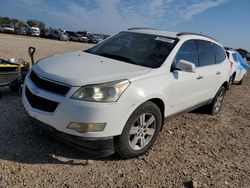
(14, 87)
(215, 107)
(231, 81)
(241, 81)
(140, 131)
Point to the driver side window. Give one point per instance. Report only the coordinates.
(188, 51)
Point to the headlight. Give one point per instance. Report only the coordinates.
(106, 92)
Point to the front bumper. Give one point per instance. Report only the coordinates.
(100, 147)
(115, 115)
(7, 78)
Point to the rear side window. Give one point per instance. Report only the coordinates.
(206, 54)
(234, 57)
(219, 53)
(188, 52)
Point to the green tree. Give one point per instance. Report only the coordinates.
(41, 25)
(5, 20)
(21, 24)
(32, 23)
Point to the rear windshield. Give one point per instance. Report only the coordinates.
(136, 48)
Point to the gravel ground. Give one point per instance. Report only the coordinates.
(195, 148)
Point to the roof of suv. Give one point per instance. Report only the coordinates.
(166, 33)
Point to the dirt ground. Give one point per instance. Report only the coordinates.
(212, 151)
(17, 46)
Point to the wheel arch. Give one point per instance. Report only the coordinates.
(160, 104)
(234, 74)
(225, 84)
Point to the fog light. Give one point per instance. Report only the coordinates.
(86, 127)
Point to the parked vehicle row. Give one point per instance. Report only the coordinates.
(33, 31)
(58, 34)
(115, 96)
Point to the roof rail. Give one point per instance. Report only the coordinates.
(140, 28)
(191, 33)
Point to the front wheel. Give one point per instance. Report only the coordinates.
(15, 86)
(140, 131)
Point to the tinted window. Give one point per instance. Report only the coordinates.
(135, 48)
(206, 54)
(219, 53)
(234, 57)
(188, 52)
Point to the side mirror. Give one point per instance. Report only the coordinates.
(185, 66)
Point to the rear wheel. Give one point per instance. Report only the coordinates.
(215, 106)
(241, 81)
(140, 131)
(231, 81)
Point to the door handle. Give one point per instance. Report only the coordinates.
(199, 77)
(218, 73)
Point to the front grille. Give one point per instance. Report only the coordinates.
(39, 102)
(49, 85)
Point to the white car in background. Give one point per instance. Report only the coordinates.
(34, 31)
(238, 69)
(116, 95)
(7, 29)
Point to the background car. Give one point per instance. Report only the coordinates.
(239, 66)
(21, 31)
(34, 31)
(7, 29)
(90, 38)
(77, 37)
(59, 35)
(98, 38)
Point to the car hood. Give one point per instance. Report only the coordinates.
(81, 68)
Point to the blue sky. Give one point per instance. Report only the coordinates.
(226, 20)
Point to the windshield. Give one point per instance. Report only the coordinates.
(136, 48)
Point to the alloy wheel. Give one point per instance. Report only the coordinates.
(218, 101)
(142, 131)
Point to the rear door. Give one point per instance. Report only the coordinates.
(208, 70)
(186, 87)
(223, 65)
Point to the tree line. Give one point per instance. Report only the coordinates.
(19, 23)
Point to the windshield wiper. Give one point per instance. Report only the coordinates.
(118, 57)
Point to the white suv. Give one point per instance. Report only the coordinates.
(116, 95)
(239, 67)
